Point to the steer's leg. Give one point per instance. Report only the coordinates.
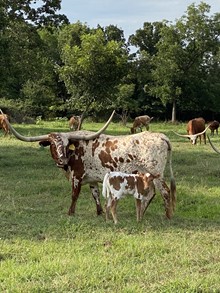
(165, 193)
(76, 187)
(146, 202)
(138, 209)
(95, 193)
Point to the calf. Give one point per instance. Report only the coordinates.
(3, 125)
(141, 121)
(214, 127)
(117, 184)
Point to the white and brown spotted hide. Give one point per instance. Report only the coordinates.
(117, 184)
(144, 152)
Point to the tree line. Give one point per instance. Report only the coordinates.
(51, 67)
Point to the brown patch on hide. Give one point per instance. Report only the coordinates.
(116, 182)
(107, 161)
(130, 156)
(95, 144)
(110, 145)
(76, 163)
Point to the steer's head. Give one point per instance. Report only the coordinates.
(60, 142)
(192, 137)
(59, 148)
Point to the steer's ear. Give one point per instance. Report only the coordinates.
(44, 143)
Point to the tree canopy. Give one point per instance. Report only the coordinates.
(50, 67)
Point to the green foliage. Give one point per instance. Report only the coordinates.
(92, 70)
(55, 68)
(42, 248)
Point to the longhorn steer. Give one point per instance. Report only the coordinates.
(117, 184)
(141, 121)
(88, 156)
(195, 128)
(3, 124)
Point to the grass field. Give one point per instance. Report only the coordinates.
(42, 249)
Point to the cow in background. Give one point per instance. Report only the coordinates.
(195, 128)
(74, 122)
(214, 127)
(141, 121)
(3, 124)
(117, 184)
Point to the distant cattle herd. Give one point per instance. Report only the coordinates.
(126, 164)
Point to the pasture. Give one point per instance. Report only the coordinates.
(42, 249)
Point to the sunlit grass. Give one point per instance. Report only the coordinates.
(44, 250)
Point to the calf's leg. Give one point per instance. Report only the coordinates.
(114, 203)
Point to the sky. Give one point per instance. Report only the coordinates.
(128, 15)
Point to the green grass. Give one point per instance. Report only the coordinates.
(42, 249)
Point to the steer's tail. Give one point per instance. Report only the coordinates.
(105, 190)
(172, 179)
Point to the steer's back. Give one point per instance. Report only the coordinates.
(143, 152)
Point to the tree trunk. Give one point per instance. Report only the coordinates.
(174, 111)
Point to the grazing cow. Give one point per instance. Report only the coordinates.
(214, 127)
(141, 121)
(87, 156)
(117, 184)
(3, 124)
(195, 128)
(74, 122)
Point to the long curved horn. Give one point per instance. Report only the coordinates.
(69, 135)
(192, 136)
(182, 135)
(21, 137)
(214, 148)
(75, 136)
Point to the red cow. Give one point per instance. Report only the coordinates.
(3, 125)
(74, 122)
(214, 127)
(195, 128)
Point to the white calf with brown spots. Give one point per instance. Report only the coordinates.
(117, 184)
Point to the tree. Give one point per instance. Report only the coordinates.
(92, 70)
(182, 62)
(27, 10)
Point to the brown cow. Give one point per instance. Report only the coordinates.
(117, 184)
(141, 121)
(214, 127)
(3, 124)
(195, 128)
(87, 156)
(74, 122)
